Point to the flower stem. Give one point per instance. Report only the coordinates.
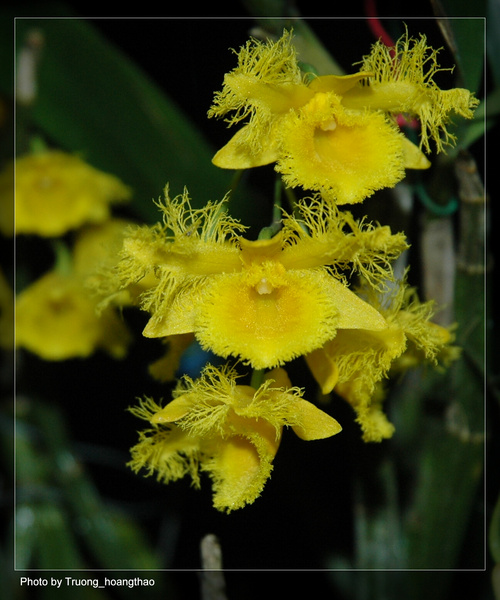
(257, 378)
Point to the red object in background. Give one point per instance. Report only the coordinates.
(375, 25)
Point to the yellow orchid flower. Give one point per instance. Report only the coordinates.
(232, 432)
(165, 368)
(55, 192)
(355, 363)
(56, 319)
(57, 316)
(335, 134)
(266, 301)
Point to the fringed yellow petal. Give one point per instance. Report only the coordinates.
(320, 234)
(268, 316)
(428, 337)
(239, 473)
(344, 155)
(160, 263)
(374, 424)
(403, 310)
(266, 84)
(272, 97)
(146, 409)
(190, 242)
(366, 355)
(170, 453)
(211, 223)
(176, 314)
(428, 342)
(403, 82)
(260, 66)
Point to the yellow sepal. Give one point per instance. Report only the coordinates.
(315, 424)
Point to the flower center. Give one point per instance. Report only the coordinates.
(328, 125)
(267, 277)
(264, 287)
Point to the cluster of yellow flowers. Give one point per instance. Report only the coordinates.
(288, 294)
(56, 194)
(318, 285)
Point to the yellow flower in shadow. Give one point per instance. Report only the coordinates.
(57, 316)
(55, 192)
(265, 301)
(57, 320)
(355, 363)
(229, 431)
(335, 134)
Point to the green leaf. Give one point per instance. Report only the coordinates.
(59, 502)
(57, 547)
(485, 117)
(494, 533)
(450, 468)
(117, 543)
(465, 36)
(493, 39)
(93, 100)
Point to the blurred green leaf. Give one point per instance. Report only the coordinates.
(485, 116)
(379, 540)
(450, 458)
(94, 100)
(494, 533)
(464, 28)
(114, 542)
(449, 474)
(74, 528)
(57, 547)
(493, 39)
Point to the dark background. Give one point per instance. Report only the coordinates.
(306, 510)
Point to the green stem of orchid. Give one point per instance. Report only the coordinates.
(292, 200)
(235, 181)
(257, 378)
(278, 188)
(268, 232)
(63, 260)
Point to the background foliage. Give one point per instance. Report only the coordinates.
(408, 518)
